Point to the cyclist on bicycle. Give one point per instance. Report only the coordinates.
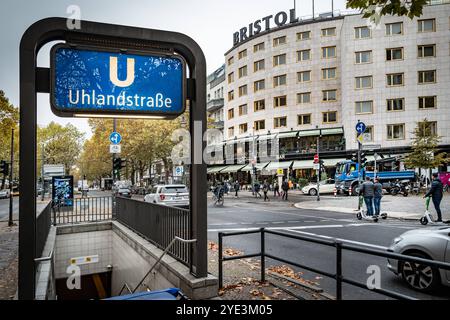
(219, 190)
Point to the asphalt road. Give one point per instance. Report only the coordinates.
(4, 208)
(247, 213)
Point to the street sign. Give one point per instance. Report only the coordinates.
(115, 138)
(88, 80)
(178, 171)
(360, 127)
(371, 147)
(316, 166)
(115, 148)
(280, 172)
(316, 158)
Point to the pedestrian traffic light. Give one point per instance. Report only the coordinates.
(4, 167)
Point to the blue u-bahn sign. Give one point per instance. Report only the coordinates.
(88, 80)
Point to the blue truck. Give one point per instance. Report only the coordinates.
(346, 176)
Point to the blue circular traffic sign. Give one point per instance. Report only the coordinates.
(360, 127)
(115, 138)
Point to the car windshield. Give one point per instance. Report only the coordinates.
(124, 190)
(177, 189)
(340, 168)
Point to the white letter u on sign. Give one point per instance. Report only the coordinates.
(113, 74)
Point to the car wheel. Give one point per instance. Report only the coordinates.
(418, 276)
(354, 190)
(312, 192)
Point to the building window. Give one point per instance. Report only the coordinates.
(243, 128)
(303, 119)
(280, 122)
(279, 60)
(428, 76)
(304, 97)
(231, 113)
(329, 95)
(328, 32)
(242, 54)
(279, 81)
(242, 72)
(394, 79)
(396, 131)
(426, 25)
(231, 95)
(260, 125)
(364, 107)
(397, 104)
(231, 77)
(362, 33)
(304, 76)
(279, 41)
(429, 102)
(328, 73)
(243, 110)
(368, 134)
(303, 55)
(243, 90)
(258, 65)
(280, 101)
(259, 85)
(329, 117)
(259, 105)
(305, 35)
(428, 128)
(363, 82)
(259, 47)
(329, 52)
(394, 54)
(394, 28)
(230, 61)
(363, 57)
(425, 51)
(230, 132)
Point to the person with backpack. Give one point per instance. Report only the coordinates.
(285, 188)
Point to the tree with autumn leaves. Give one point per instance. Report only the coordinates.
(143, 143)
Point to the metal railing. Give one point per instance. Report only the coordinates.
(43, 224)
(338, 274)
(166, 250)
(157, 223)
(78, 210)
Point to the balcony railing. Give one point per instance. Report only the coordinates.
(215, 104)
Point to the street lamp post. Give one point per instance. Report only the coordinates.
(10, 219)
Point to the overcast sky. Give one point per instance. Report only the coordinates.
(209, 22)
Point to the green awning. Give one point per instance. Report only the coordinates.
(258, 166)
(289, 134)
(308, 133)
(267, 137)
(303, 164)
(326, 132)
(241, 140)
(274, 165)
(233, 168)
(215, 169)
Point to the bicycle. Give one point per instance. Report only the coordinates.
(218, 200)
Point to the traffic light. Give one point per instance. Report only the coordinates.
(118, 164)
(363, 159)
(4, 167)
(354, 157)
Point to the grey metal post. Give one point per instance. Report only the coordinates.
(263, 255)
(10, 220)
(318, 170)
(42, 172)
(114, 155)
(359, 171)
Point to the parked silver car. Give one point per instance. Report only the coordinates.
(429, 243)
(172, 195)
(4, 193)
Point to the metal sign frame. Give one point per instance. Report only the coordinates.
(34, 79)
(60, 112)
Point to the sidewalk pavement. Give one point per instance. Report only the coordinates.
(398, 207)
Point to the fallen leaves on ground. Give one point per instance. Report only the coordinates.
(289, 272)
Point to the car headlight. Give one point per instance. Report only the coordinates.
(396, 240)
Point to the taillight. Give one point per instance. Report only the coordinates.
(162, 197)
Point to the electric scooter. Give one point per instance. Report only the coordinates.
(427, 218)
(362, 213)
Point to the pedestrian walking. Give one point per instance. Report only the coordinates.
(237, 186)
(285, 188)
(257, 189)
(265, 190)
(378, 194)
(436, 193)
(276, 190)
(367, 190)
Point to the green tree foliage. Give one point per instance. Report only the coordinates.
(424, 146)
(409, 8)
(9, 118)
(61, 145)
